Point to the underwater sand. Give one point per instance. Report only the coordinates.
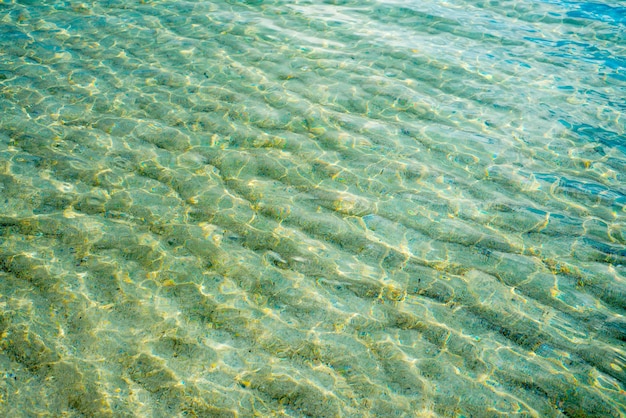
(369, 208)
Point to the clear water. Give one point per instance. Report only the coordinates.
(312, 208)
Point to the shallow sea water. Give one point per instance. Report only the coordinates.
(312, 208)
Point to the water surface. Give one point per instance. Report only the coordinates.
(300, 208)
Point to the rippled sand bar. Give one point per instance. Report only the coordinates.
(369, 208)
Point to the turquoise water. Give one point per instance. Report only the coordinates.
(312, 208)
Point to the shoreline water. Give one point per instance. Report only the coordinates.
(292, 209)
